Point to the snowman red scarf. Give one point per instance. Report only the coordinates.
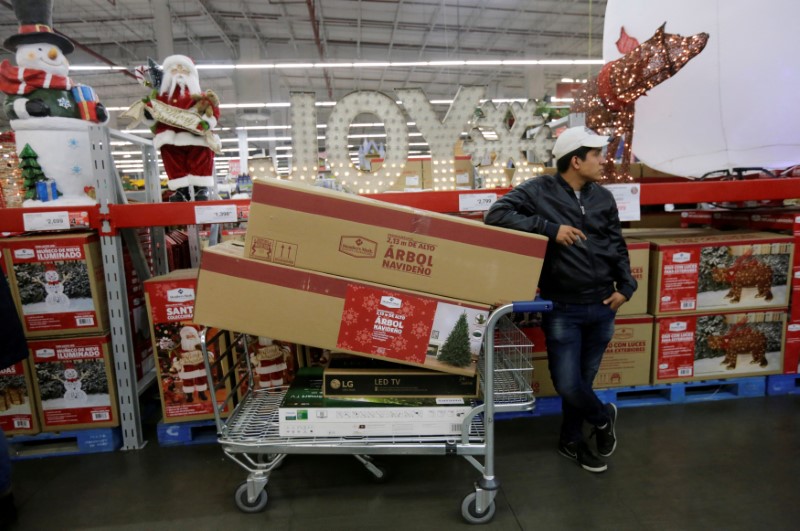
(15, 80)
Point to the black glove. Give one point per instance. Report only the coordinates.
(102, 113)
(147, 114)
(37, 108)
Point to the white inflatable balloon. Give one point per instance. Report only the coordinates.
(737, 104)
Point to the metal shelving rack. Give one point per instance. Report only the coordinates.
(112, 216)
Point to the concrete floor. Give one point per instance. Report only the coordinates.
(724, 465)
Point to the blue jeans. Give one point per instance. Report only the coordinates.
(5, 465)
(577, 336)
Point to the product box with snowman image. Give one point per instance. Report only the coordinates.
(182, 379)
(57, 283)
(17, 414)
(74, 382)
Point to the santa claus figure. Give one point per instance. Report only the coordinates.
(182, 117)
(269, 361)
(38, 86)
(189, 365)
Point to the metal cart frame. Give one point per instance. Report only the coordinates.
(249, 436)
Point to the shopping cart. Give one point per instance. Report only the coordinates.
(250, 435)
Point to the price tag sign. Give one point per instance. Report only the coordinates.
(627, 197)
(475, 202)
(215, 214)
(36, 221)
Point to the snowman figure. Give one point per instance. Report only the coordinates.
(72, 385)
(269, 361)
(47, 109)
(53, 284)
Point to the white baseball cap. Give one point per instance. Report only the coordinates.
(577, 137)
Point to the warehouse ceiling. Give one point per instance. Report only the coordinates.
(225, 32)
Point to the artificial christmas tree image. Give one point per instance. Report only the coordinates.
(456, 349)
(31, 171)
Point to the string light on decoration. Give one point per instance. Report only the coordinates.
(500, 130)
(12, 185)
(609, 99)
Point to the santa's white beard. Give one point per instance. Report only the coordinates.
(181, 82)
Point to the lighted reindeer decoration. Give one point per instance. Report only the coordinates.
(740, 339)
(746, 272)
(608, 100)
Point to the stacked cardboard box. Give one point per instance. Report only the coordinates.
(701, 283)
(58, 285)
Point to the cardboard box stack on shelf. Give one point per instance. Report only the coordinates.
(58, 286)
(786, 221)
(364, 277)
(700, 285)
(181, 375)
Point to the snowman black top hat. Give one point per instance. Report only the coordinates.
(35, 25)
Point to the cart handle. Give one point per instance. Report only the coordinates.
(537, 305)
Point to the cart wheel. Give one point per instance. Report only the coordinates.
(471, 515)
(244, 505)
(380, 475)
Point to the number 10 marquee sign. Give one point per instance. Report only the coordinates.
(490, 135)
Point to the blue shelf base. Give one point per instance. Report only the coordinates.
(674, 393)
(71, 442)
(185, 433)
(783, 384)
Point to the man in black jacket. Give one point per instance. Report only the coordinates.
(586, 274)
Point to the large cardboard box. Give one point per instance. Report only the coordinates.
(74, 382)
(639, 252)
(182, 380)
(791, 360)
(719, 345)
(58, 284)
(733, 270)
(348, 235)
(17, 412)
(305, 412)
(626, 361)
(331, 312)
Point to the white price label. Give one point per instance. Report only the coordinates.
(35, 221)
(215, 214)
(627, 197)
(475, 202)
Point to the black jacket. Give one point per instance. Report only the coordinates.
(580, 274)
(13, 347)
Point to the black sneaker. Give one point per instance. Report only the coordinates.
(583, 455)
(607, 436)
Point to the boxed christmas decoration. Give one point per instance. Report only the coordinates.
(273, 364)
(719, 345)
(17, 412)
(357, 376)
(182, 381)
(734, 270)
(626, 361)
(791, 361)
(639, 253)
(58, 284)
(74, 382)
(304, 412)
(342, 234)
(325, 311)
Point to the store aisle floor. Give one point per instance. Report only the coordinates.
(732, 465)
